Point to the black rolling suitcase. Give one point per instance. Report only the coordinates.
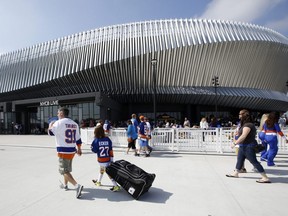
(131, 178)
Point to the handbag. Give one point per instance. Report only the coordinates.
(259, 148)
(129, 139)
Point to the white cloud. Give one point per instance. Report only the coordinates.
(238, 10)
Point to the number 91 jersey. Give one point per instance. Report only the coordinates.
(67, 135)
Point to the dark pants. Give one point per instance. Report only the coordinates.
(132, 144)
(248, 152)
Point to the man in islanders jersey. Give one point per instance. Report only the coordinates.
(143, 136)
(68, 142)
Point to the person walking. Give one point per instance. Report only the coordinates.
(247, 143)
(261, 136)
(68, 142)
(131, 137)
(143, 137)
(102, 146)
(204, 126)
(243, 169)
(107, 127)
(134, 121)
(270, 130)
(149, 133)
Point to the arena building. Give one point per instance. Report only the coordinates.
(199, 68)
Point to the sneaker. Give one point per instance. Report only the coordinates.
(65, 187)
(147, 155)
(115, 188)
(97, 183)
(150, 149)
(62, 186)
(243, 170)
(137, 155)
(79, 191)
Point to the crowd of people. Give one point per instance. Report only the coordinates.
(68, 143)
(141, 131)
(206, 122)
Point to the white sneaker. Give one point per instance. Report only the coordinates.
(79, 191)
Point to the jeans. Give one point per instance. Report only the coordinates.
(248, 151)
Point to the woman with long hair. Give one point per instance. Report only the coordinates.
(270, 130)
(261, 135)
(247, 143)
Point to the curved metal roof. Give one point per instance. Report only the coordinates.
(250, 61)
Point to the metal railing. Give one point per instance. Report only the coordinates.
(217, 140)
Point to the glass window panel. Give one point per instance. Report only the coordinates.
(96, 111)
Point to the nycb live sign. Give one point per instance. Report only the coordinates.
(49, 103)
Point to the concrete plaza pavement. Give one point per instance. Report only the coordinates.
(185, 184)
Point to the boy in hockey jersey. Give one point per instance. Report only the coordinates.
(102, 146)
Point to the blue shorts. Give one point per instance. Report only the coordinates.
(143, 143)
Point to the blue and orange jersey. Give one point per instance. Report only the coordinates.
(103, 148)
(272, 131)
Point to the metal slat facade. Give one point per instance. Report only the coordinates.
(117, 60)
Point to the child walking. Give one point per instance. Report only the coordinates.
(102, 146)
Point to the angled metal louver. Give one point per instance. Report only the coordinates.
(250, 61)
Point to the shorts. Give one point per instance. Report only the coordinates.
(143, 143)
(65, 166)
(104, 165)
(132, 144)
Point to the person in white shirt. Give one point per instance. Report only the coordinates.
(149, 133)
(68, 142)
(204, 126)
(186, 123)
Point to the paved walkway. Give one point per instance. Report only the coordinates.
(185, 184)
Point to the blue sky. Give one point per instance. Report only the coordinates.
(26, 23)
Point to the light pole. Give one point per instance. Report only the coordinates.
(215, 82)
(154, 65)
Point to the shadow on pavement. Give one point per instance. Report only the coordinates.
(154, 195)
